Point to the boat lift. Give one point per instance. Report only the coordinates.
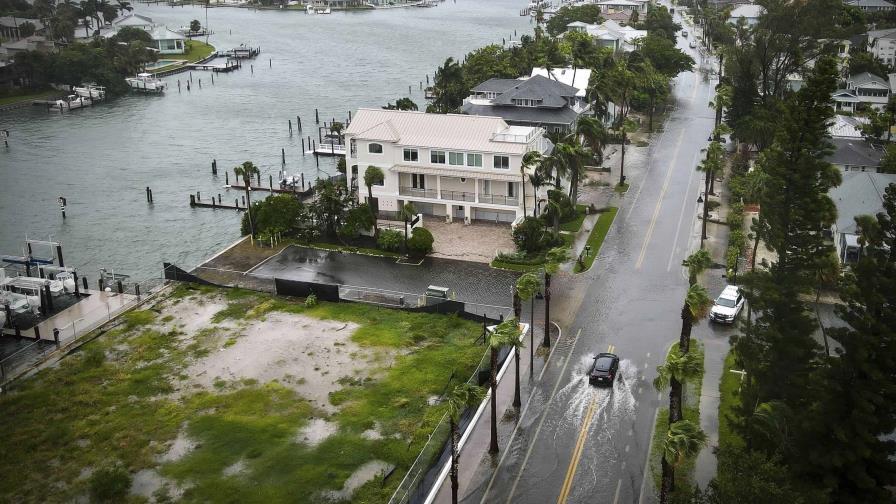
(28, 260)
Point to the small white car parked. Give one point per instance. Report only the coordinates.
(727, 306)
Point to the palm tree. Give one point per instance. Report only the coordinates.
(512, 337)
(710, 166)
(696, 263)
(554, 258)
(373, 176)
(247, 170)
(527, 286)
(683, 440)
(460, 398)
(696, 306)
(654, 83)
(554, 198)
(337, 127)
(594, 135)
(678, 368)
(537, 179)
(621, 82)
(498, 338)
(530, 160)
(573, 157)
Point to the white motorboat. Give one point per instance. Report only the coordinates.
(146, 83)
(91, 91)
(72, 102)
(18, 303)
(310, 9)
(324, 11)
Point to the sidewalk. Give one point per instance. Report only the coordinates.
(476, 465)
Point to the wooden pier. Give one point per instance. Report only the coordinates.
(327, 149)
(226, 67)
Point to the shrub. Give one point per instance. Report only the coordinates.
(528, 236)
(390, 239)
(279, 213)
(110, 484)
(357, 219)
(420, 242)
(311, 301)
(567, 210)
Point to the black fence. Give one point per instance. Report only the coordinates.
(297, 288)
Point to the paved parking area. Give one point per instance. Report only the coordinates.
(473, 283)
(478, 242)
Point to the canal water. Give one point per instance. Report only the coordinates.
(102, 158)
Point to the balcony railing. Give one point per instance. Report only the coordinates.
(458, 195)
(499, 199)
(416, 192)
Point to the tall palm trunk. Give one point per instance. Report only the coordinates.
(675, 398)
(547, 310)
(687, 322)
(493, 446)
(523, 185)
(574, 186)
(668, 480)
(532, 338)
(705, 206)
(517, 313)
(376, 231)
(622, 158)
(455, 442)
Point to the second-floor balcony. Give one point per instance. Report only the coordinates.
(490, 199)
(458, 196)
(417, 192)
(499, 199)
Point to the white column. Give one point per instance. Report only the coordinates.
(439, 188)
(448, 212)
(476, 189)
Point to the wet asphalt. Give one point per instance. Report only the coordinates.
(577, 443)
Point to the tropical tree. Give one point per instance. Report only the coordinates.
(696, 263)
(683, 440)
(573, 157)
(537, 179)
(621, 82)
(401, 104)
(449, 88)
(527, 287)
(498, 338)
(710, 166)
(678, 368)
(593, 135)
(655, 85)
(337, 128)
(530, 160)
(512, 337)
(246, 171)
(553, 259)
(696, 306)
(460, 398)
(195, 26)
(373, 175)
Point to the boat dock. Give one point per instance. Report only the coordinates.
(327, 149)
(241, 52)
(228, 66)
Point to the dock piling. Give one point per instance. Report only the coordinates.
(271, 182)
(316, 117)
(244, 201)
(200, 83)
(192, 200)
(299, 122)
(214, 166)
(213, 78)
(270, 63)
(303, 146)
(198, 196)
(62, 204)
(349, 116)
(120, 287)
(409, 90)
(84, 282)
(282, 156)
(148, 195)
(227, 178)
(252, 69)
(178, 85)
(258, 178)
(303, 180)
(219, 198)
(290, 126)
(236, 202)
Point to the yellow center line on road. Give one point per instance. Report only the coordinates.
(580, 445)
(659, 201)
(577, 452)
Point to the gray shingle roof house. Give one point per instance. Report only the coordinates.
(871, 5)
(859, 194)
(854, 155)
(531, 101)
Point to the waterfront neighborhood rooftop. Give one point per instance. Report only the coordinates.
(448, 131)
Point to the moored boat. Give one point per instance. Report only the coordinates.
(146, 83)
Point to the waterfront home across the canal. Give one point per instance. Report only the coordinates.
(452, 166)
(528, 101)
(168, 41)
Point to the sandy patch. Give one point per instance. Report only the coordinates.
(316, 431)
(311, 353)
(362, 475)
(193, 314)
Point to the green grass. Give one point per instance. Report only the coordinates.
(27, 97)
(596, 238)
(621, 188)
(573, 226)
(524, 268)
(194, 51)
(690, 411)
(110, 404)
(729, 401)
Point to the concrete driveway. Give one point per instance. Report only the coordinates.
(477, 242)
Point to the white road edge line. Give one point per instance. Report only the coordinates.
(559, 334)
(544, 415)
(618, 488)
(522, 415)
(684, 204)
(647, 459)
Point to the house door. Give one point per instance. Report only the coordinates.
(458, 212)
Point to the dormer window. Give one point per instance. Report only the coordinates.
(526, 102)
(375, 148)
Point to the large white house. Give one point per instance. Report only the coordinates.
(454, 166)
(610, 34)
(882, 45)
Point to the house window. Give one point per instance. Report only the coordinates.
(375, 148)
(411, 155)
(456, 158)
(474, 160)
(511, 189)
(437, 157)
(501, 162)
(353, 146)
(418, 181)
(486, 186)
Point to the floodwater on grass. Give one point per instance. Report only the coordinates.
(181, 446)
(146, 482)
(315, 431)
(362, 475)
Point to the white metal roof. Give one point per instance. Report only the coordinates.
(441, 131)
